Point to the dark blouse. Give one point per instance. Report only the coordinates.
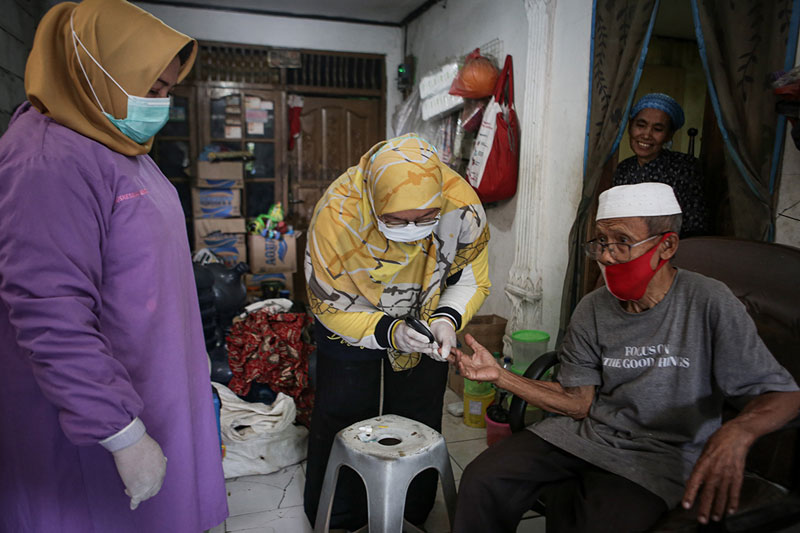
(681, 172)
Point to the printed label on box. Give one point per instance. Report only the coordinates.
(272, 255)
(224, 237)
(216, 203)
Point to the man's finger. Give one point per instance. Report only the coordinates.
(707, 497)
(694, 483)
(721, 499)
(734, 492)
(472, 343)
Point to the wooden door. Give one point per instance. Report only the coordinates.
(334, 134)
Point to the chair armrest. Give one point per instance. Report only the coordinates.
(516, 412)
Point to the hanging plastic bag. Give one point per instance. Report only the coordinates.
(477, 78)
(494, 164)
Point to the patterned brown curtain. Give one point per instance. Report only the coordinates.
(741, 43)
(621, 33)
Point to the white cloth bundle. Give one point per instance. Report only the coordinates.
(259, 438)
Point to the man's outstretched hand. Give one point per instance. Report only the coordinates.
(480, 366)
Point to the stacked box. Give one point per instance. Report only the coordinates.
(216, 203)
(217, 208)
(225, 237)
(217, 190)
(272, 255)
(222, 175)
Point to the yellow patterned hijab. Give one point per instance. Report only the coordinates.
(131, 44)
(355, 268)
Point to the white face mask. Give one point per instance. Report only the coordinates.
(408, 233)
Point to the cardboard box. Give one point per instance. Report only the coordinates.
(223, 236)
(272, 255)
(221, 175)
(255, 282)
(487, 330)
(455, 381)
(216, 203)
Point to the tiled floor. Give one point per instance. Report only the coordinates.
(274, 503)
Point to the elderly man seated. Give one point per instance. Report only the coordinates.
(644, 369)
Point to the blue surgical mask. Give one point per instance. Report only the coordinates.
(146, 116)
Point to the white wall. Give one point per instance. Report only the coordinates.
(563, 150)
(228, 26)
(452, 29)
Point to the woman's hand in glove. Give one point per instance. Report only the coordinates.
(445, 335)
(407, 340)
(142, 467)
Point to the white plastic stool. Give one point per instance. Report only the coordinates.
(387, 452)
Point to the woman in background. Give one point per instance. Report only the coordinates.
(654, 120)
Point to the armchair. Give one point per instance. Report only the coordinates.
(764, 277)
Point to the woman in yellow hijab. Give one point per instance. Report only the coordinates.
(106, 415)
(400, 235)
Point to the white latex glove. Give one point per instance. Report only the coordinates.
(142, 467)
(409, 341)
(445, 335)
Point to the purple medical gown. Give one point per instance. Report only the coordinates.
(99, 323)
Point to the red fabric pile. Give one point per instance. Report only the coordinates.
(268, 348)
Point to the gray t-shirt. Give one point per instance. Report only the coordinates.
(661, 378)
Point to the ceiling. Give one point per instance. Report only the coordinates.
(674, 18)
(380, 12)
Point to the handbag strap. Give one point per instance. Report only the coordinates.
(506, 80)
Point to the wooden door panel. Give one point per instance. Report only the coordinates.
(334, 134)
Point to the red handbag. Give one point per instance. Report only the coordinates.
(494, 165)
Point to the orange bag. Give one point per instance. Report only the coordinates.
(477, 77)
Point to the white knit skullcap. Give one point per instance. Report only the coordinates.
(639, 200)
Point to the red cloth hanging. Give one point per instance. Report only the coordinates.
(295, 109)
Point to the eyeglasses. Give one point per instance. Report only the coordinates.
(422, 223)
(620, 251)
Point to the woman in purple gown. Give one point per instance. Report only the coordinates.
(106, 416)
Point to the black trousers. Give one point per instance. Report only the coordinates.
(502, 483)
(349, 391)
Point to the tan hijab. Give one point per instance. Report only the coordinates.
(131, 44)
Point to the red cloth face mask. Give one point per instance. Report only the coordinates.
(628, 281)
